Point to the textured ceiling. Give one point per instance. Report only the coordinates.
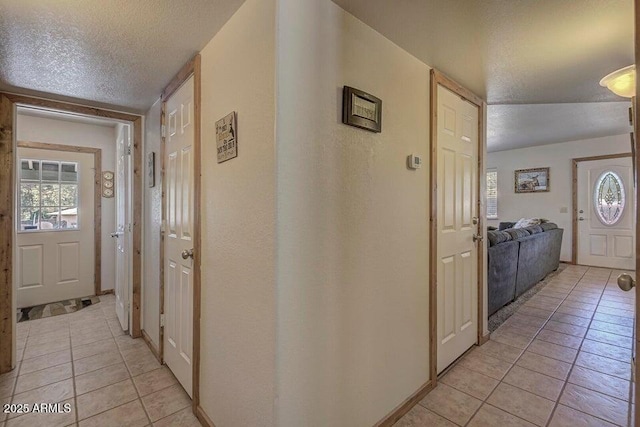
(115, 53)
(526, 125)
(520, 52)
(512, 51)
(122, 53)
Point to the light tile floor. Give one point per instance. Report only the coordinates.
(86, 360)
(563, 359)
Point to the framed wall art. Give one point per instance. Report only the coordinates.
(151, 169)
(361, 109)
(534, 180)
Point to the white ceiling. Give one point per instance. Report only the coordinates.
(122, 53)
(119, 53)
(519, 52)
(527, 125)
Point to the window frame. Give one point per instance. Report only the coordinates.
(39, 182)
(487, 172)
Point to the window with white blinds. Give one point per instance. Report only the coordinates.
(492, 193)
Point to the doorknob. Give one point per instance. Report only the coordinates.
(626, 282)
(116, 234)
(187, 253)
(477, 238)
(581, 219)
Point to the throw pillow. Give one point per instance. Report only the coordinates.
(525, 222)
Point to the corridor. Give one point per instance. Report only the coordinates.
(561, 360)
(85, 359)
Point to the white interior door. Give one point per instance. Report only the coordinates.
(457, 265)
(606, 213)
(178, 255)
(55, 238)
(121, 233)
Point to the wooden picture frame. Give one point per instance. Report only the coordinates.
(361, 110)
(534, 180)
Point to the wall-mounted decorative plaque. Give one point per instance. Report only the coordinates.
(361, 109)
(108, 188)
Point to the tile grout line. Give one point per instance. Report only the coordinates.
(73, 376)
(522, 351)
(564, 386)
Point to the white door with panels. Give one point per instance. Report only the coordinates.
(457, 209)
(122, 233)
(606, 213)
(55, 236)
(178, 254)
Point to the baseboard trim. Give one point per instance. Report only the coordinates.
(107, 292)
(406, 406)
(484, 338)
(151, 345)
(203, 417)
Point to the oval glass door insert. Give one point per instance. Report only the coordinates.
(608, 199)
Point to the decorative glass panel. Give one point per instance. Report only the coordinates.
(609, 198)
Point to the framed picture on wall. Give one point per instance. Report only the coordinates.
(151, 169)
(534, 180)
(361, 109)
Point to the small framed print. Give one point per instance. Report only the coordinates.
(151, 169)
(227, 137)
(361, 109)
(532, 180)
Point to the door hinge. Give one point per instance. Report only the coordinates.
(163, 130)
(162, 320)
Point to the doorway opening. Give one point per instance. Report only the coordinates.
(55, 209)
(457, 252)
(604, 211)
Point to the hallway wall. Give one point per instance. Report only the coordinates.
(58, 131)
(238, 333)
(512, 206)
(152, 222)
(353, 318)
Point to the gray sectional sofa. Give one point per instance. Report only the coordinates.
(519, 258)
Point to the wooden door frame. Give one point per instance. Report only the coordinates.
(191, 68)
(8, 113)
(574, 197)
(438, 78)
(636, 163)
(97, 197)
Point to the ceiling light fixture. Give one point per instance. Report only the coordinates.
(621, 82)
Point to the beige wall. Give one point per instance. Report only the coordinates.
(152, 222)
(238, 223)
(353, 327)
(512, 206)
(57, 131)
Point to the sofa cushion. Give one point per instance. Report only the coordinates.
(505, 225)
(496, 237)
(548, 226)
(533, 229)
(517, 233)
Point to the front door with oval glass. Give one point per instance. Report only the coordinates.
(606, 213)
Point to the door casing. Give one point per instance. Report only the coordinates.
(97, 199)
(574, 197)
(438, 78)
(8, 111)
(191, 68)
